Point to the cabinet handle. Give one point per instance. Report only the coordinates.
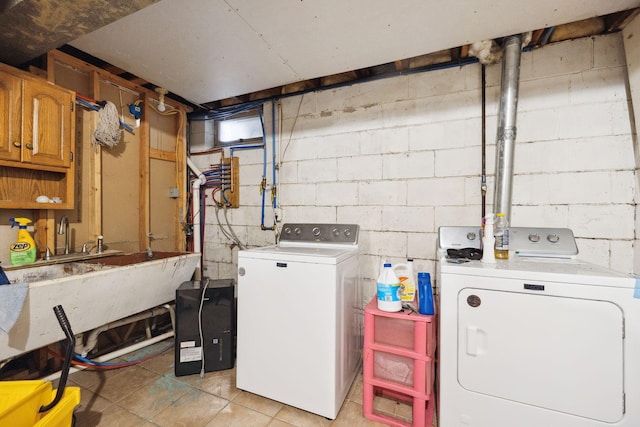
(17, 144)
(29, 146)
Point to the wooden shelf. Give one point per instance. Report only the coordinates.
(19, 188)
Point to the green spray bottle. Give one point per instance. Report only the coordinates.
(23, 251)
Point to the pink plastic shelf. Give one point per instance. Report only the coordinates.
(398, 362)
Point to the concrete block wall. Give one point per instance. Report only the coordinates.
(401, 156)
(631, 39)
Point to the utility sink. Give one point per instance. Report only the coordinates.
(94, 289)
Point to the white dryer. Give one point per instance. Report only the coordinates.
(537, 341)
(300, 317)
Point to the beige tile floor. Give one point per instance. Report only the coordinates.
(149, 394)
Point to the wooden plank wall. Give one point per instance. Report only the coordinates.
(118, 196)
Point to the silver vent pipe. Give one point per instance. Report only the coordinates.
(506, 135)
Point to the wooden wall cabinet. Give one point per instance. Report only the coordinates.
(37, 121)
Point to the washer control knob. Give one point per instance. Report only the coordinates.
(316, 231)
(287, 230)
(553, 238)
(471, 236)
(347, 232)
(534, 237)
(335, 232)
(297, 230)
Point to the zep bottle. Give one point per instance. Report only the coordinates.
(23, 251)
(388, 290)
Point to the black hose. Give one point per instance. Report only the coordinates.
(66, 327)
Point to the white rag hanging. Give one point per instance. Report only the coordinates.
(108, 132)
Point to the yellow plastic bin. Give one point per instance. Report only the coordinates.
(61, 415)
(20, 401)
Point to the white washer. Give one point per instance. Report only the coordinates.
(535, 341)
(300, 317)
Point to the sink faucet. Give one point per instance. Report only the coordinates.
(64, 229)
(87, 247)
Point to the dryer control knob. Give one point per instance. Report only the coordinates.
(287, 230)
(553, 238)
(297, 230)
(471, 236)
(316, 231)
(534, 237)
(335, 232)
(347, 232)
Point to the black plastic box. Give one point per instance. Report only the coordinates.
(215, 314)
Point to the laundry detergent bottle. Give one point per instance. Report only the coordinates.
(388, 287)
(23, 251)
(404, 272)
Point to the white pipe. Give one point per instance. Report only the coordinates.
(134, 347)
(172, 314)
(195, 200)
(194, 168)
(114, 354)
(92, 340)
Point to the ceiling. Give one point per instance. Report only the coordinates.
(207, 51)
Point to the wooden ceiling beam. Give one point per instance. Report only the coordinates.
(617, 21)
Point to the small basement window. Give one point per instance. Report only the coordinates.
(225, 129)
(244, 128)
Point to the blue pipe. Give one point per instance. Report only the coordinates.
(245, 147)
(273, 150)
(263, 184)
(546, 36)
(96, 108)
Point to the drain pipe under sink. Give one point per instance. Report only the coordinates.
(506, 135)
(92, 339)
(195, 201)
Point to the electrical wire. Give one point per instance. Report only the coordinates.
(181, 123)
(295, 120)
(204, 291)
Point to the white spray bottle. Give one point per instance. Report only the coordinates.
(488, 241)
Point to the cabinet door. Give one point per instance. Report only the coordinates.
(47, 127)
(10, 115)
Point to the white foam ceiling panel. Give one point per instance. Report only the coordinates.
(207, 50)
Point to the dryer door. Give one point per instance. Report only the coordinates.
(562, 354)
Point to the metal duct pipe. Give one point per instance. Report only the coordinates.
(506, 135)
